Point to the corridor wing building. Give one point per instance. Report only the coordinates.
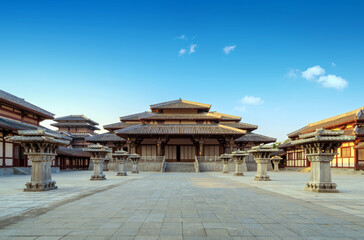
(181, 130)
(350, 154)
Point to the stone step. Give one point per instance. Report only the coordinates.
(180, 167)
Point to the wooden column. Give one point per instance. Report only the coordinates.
(201, 149)
(231, 144)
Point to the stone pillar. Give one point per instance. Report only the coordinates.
(98, 154)
(320, 147)
(135, 160)
(40, 147)
(261, 155)
(121, 156)
(276, 160)
(239, 159)
(225, 158)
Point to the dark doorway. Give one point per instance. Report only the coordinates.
(178, 153)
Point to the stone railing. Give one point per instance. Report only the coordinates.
(164, 165)
(152, 158)
(197, 166)
(208, 159)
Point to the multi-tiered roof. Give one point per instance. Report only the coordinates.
(181, 117)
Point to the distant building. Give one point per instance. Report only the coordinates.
(350, 154)
(78, 127)
(181, 130)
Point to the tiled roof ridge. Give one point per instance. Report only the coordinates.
(157, 105)
(337, 117)
(25, 104)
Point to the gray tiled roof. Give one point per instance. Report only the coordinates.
(181, 116)
(180, 129)
(13, 125)
(72, 152)
(105, 137)
(257, 138)
(136, 116)
(76, 118)
(21, 103)
(119, 125)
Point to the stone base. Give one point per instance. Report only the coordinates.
(275, 170)
(135, 172)
(321, 187)
(261, 178)
(225, 172)
(238, 174)
(40, 187)
(121, 174)
(93, 177)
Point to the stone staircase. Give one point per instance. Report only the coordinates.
(180, 167)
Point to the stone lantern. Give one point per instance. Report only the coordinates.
(40, 147)
(261, 155)
(225, 158)
(121, 156)
(134, 158)
(239, 159)
(98, 154)
(320, 147)
(276, 160)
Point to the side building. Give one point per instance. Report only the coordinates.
(18, 114)
(350, 155)
(180, 130)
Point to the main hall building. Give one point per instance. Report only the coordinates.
(181, 130)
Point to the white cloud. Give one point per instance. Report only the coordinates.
(182, 37)
(182, 52)
(333, 64)
(333, 81)
(248, 100)
(251, 100)
(313, 72)
(228, 49)
(293, 73)
(192, 48)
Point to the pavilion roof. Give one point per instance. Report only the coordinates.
(82, 118)
(105, 137)
(180, 104)
(256, 138)
(74, 124)
(13, 125)
(328, 123)
(22, 104)
(180, 129)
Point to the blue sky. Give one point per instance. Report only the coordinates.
(290, 62)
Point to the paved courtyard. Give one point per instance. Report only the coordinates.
(193, 206)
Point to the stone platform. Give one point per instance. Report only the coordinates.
(188, 206)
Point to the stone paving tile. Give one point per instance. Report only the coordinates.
(187, 206)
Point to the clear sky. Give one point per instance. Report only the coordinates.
(278, 64)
